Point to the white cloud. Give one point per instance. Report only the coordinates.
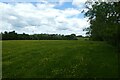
(71, 12)
(78, 3)
(40, 18)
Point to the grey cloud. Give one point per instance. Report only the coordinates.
(33, 18)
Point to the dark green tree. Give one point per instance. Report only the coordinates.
(104, 22)
(14, 36)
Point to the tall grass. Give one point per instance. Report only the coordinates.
(58, 59)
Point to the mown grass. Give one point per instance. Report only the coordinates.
(58, 59)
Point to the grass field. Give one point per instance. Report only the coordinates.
(58, 59)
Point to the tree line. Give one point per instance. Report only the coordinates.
(15, 36)
(104, 20)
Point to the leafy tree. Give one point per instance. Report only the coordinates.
(14, 36)
(104, 22)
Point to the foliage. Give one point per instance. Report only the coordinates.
(104, 22)
(14, 36)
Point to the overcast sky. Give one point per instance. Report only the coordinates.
(53, 17)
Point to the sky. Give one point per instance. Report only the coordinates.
(43, 16)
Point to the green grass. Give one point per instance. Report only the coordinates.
(58, 58)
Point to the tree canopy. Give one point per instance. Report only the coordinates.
(104, 22)
(14, 36)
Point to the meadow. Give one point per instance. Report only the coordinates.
(58, 59)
